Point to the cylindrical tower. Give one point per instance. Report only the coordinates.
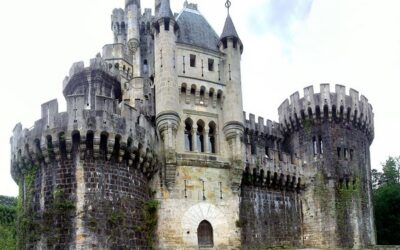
(118, 26)
(133, 11)
(83, 174)
(231, 45)
(167, 92)
(332, 133)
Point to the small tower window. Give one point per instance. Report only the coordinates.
(346, 156)
(321, 145)
(267, 153)
(339, 152)
(192, 60)
(211, 138)
(315, 149)
(210, 64)
(188, 135)
(351, 154)
(200, 136)
(166, 24)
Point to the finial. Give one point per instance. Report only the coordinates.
(228, 5)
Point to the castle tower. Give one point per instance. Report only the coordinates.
(231, 45)
(83, 174)
(118, 26)
(331, 133)
(133, 12)
(167, 95)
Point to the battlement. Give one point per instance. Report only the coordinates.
(337, 106)
(53, 136)
(262, 127)
(97, 64)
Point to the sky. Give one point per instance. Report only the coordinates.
(288, 45)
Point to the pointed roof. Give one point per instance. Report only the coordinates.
(165, 10)
(229, 29)
(195, 30)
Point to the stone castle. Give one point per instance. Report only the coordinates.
(155, 151)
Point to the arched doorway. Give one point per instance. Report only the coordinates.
(205, 234)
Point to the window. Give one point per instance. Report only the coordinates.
(192, 60)
(267, 153)
(210, 64)
(145, 67)
(351, 154)
(211, 138)
(321, 145)
(205, 234)
(188, 135)
(346, 154)
(200, 136)
(338, 152)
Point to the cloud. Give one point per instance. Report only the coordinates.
(280, 17)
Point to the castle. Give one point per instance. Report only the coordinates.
(155, 151)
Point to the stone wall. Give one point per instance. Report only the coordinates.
(89, 203)
(270, 218)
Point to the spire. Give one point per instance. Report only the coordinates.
(165, 10)
(229, 28)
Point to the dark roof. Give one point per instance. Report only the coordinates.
(195, 30)
(229, 29)
(165, 10)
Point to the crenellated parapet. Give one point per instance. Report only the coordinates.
(96, 125)
(337, 106)
(262, 127)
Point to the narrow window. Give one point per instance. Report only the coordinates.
(351, 154)
(346, 154)
(202, 94)
(192, 60)
(314, 146)
(166, 25)
(338, 152)
(211, 138)
(321, 145)
(267, 152)
(210, 64)
(200, 136)
(188, 135)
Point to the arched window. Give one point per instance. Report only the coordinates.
(188, 135)
(212, 138)
(202, 94)
(205, 234)
(200, 136)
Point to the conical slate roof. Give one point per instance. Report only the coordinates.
(195, 30)
(165, 10)
(229, 29)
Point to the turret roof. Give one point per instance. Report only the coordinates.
(229, 29)
(165, 10)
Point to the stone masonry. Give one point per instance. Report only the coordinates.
(155, 151)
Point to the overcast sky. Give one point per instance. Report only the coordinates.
(288, 45)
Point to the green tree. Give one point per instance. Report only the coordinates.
(387, 202)
(7, 223)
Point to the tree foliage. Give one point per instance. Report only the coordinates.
(386, 187)
(7, 222)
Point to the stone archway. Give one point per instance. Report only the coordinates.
(193, 219)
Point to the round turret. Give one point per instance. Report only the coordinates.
(83, 174)
(331, 133)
